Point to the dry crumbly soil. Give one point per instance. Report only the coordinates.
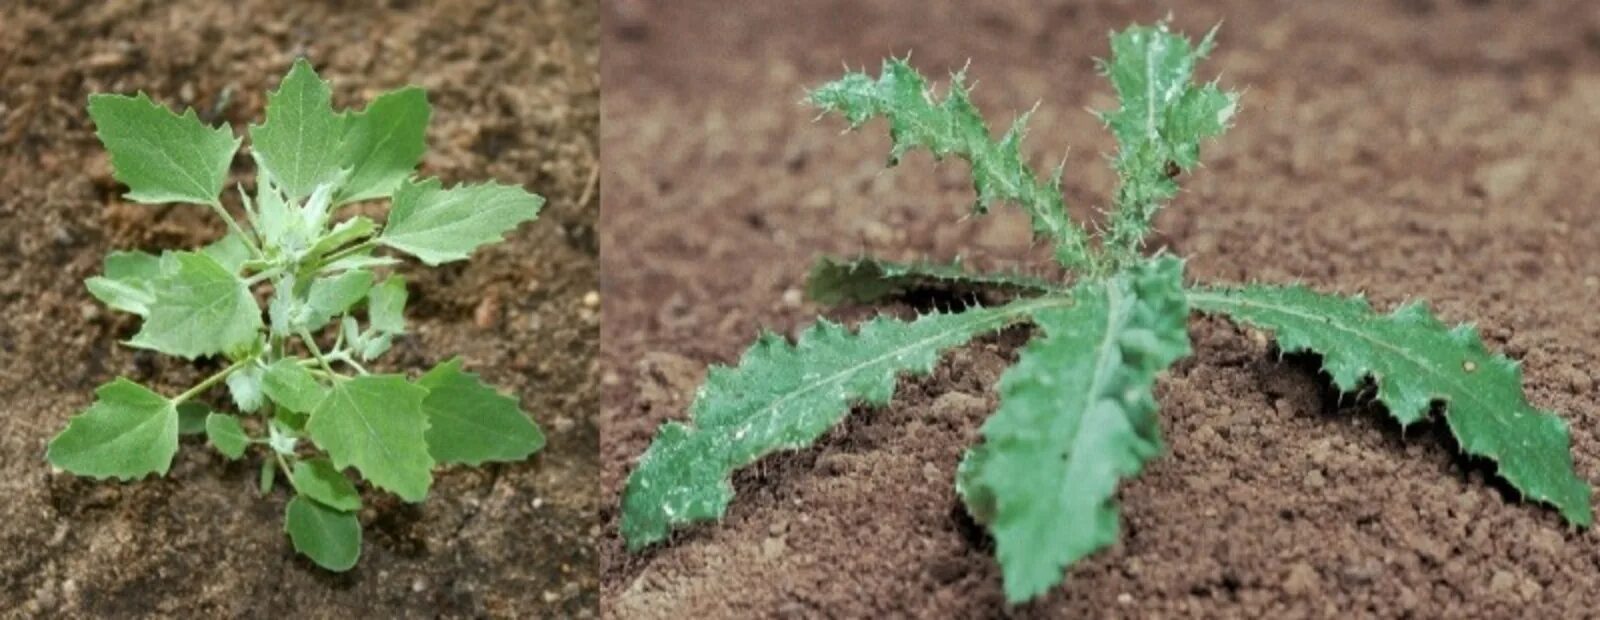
(1426, 148)
(515, 93)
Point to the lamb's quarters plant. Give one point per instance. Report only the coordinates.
(298, 381)
(1076, 413)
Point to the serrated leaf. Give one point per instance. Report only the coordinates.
(375, 423)
(783, 397)
(917, 119)
(1160, 124)
(383, 144)
(161, 156)
(226, 435)
(127, 282)
(865, 280)
(276, 220)
(200, 308)
(439, 225)
(469, 422)
(244, 385)
(299, 142)
(386, 305)
(1416, 360)
(329, 537)
(332, 296)
(129, 432)
(290, 385)
(319, 480)
(1076, 416)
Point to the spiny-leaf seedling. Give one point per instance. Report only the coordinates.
(1077, 413)
(313, 408)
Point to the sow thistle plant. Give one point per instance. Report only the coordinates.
(1076, 411)
(297, 378)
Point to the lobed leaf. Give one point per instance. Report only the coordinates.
(1076, 416)
(865, 280)
(383, 144)
(376, 424)
(200, 308)
(469, 422)
(1162, 119)
(161, 156)
(439, 225)
(129, 432)
(955, 127)
(331, 538)
(784, 396)
(298, 145)
(1416, 361)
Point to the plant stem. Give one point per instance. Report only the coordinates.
(211, 380)
(216, 206)
(311, 343)
(347, 251)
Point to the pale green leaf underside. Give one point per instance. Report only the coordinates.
(332, 296)
(319, 480)
(471, 423)
(299, 142)
(383, 144)
(1416, 360)
(1076, 416)
(128, 433)
(954, 127)
(200, 308)
(865, 280)
(439, 225)
(331, 538)
(293, 387)
(784, 396)
(161, 156)
(226, 435)
(375, 423)
(244, 385)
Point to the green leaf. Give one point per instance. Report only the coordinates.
(469, 422)
(1417, 361)
(319, 480)
(162, 157)
(225, 434)
(783, 397)
(1076, 415)
(290, 385)
(276, 221)
(329, 537)
(332, 296)
(342, 233)
(386, 305)
(375, 423)
(245, 387)
(440, 225)
(299, 142)
(200, 308)
(866, 280)
(265, 480)
(383, 144)
(192, 417)
(1162, 119)
(230, 251)
(129, 432)
(128, 282)
(917, 119)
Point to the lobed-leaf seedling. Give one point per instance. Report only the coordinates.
(297, 378)
(1076, 413)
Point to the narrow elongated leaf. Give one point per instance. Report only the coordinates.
(128, 282)
(162, 157)
(290, 385)
(1162, 119)
(299, 142)
(439, 225)
(129, 432)
(954, 127)
(469, 422)
(376, 424)
(1076, 416)
(865, 280)
(200, 308)
(784, 396)
(319, 480)
(331, 538)
(226, 435)
(383, 144)
(1417, 361)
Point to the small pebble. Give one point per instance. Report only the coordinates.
(591, 299)
(1125, 599)
(791, 298)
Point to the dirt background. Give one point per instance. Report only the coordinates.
(515, 93)
(1427, 148)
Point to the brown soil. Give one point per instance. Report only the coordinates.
(1420, 148)
(515, 92)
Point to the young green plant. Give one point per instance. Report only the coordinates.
(301, 391)
(1077, 413)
